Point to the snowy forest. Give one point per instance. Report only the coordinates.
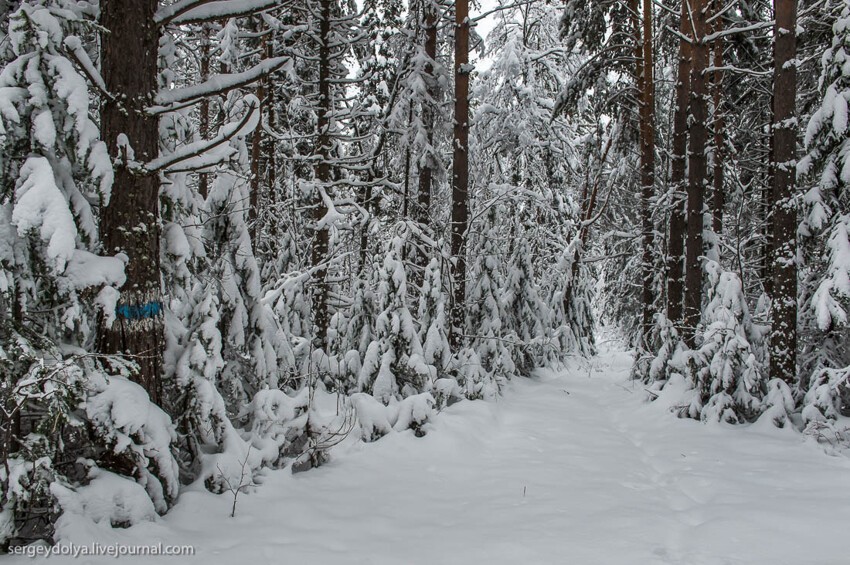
(237, 236)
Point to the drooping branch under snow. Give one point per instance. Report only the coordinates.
(217, 84)
(201, 148)
(74, 48)
(197, 11)
(743, 29)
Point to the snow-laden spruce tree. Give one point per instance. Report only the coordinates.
(249, 346)
(570, 295)
(525, 314)
(394, 364)
(432, 319)
(663, 365)
(727, 370)
(492, 344)
(360, 325)
(825, 235)
(56, 175)
(67, 412)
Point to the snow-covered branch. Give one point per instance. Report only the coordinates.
(218, 84)
(197, 11)
(199, 149)
(74, 48)
(731, 31)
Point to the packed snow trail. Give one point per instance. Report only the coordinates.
(564, 469)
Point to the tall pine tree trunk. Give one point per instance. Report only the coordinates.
(426, 172)
(718, 199)
(460, 168)
(768, 199)
(130, 223)
(271, 163)
(204, 105)
(319, 251)
(676, 240)
(783, 337)
(256, 154)
(647, 165)
(697, 170)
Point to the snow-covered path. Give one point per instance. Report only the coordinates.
(567, 469)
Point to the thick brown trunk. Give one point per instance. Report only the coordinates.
(676, 240)
(697, 170)
(783, 335)
(647, 166)
(319, 251)
(460, 168)
(131, 221)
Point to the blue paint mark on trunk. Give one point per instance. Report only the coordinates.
(138, 311)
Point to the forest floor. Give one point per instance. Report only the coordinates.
(574, 468)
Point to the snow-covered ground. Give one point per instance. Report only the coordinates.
(572, 468)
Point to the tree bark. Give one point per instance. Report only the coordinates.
(768, 200)
(319, 251)
(204, 106)
(647, 166)
(676, 240)
(130, 223)
(271, 162)
(783, 335)
(460, 168)
(718, 193)
(256, 157)
(426, 172)
(697, 171)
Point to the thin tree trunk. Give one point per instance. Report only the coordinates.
(130, 223)
(718, 194)
(319, 251)
(768, 200)
(271, 162)
(460, 168)
(366, 202)
(426, 172)
(405, 207)
(204, 106)
(783, 336)
(697, 171)
(256, 156)
(647, 165)
(676, 241)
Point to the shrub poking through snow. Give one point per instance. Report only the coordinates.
(137, 431)
(376, 419)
